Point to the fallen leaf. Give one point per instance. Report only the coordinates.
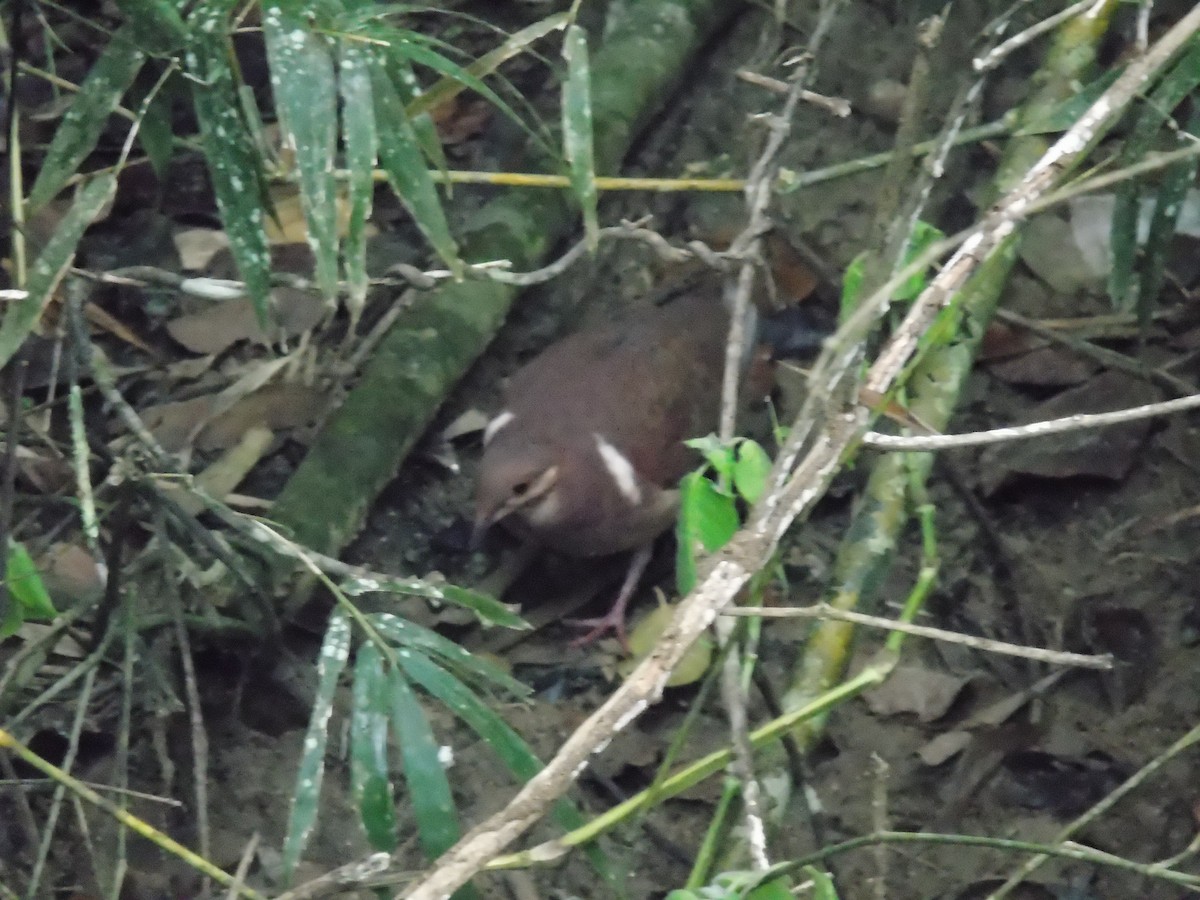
(197, 246)
(927, 693)
(279, 407)
(1096, 452)
(223, 324)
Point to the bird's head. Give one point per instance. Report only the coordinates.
(516, 477)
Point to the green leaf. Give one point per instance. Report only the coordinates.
(156, 25)
(717, 454)
(852, 282)
(25, 584)
(52, 263)
(81, 127)
(233, 161)
(1173, 189)
(358, 127)
(408, 89)
(154, 132)
(577, 130)
(403, 633)
(509, 746)
(1170, 92)
(400, 154)
(489, 610)
(306, 101)
(368, 749)
(1068, 112)
(823, 888)
(335, 651)
(707, 520)
(428, 787)
(923, 236)
(751, 470)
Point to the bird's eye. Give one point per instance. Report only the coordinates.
(521, 488)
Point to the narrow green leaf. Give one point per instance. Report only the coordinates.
(1173, 189)
(577, 130)
(922, 238)
(400, 153)
(154, 132)
(233, 162)
(335, 651)
(424, 774)
(358, 128)
(81, 127)
(368, 749)
(489, 610)
(408, 89)
(852, 281)
(509, 746)
(306, 102)
(707, 520)
(751, 470)
(52, 263)
(1177, 84)
(156, 25)
(403, 633)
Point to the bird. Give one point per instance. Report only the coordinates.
(585, 456)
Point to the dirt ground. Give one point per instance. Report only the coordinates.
(1086, 547)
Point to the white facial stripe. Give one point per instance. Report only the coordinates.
(495, 425)
(621, 470)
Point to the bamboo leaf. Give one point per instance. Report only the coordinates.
(424, 774)
(335, 651)
(489, 610)
(577, 130)
(233, 162)
(358, 126)
(403, 633)
(400, 154)
(368, 749)
(52, 263)
(156, 25)
(81, 127)
(306, 102)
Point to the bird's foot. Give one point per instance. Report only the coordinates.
(613, 620)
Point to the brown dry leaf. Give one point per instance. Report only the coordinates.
(46, 471)
(279, 407)
(928, 693)
(1096, 452)
(286, 225)
(114, 326)
(794, 278)
(226, 473)
(220, 326)
(197, 246)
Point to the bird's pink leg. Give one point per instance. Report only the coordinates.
(614, 619)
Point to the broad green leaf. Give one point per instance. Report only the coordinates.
(577, 130)
(823, 888)
(335, 651)
(368, 749)
(233, 162)
(52, 263)
(155, 24)
(81, 127)
(717, 454)
(403, 633)
(358, 128)
(489, 610)
(25, 596)
(306, 102)
(751, 470)
(25, 584)
(400, 154)
(424, 774)
(707, 520)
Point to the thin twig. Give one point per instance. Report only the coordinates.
(997, 55)
(1024, 432)
(825, 611)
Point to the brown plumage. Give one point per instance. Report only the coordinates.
(586, 454)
